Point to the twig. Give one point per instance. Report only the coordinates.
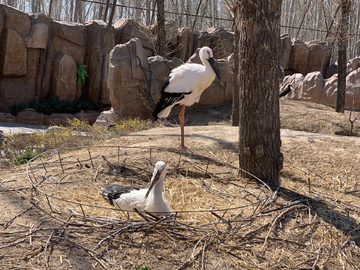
(92, 253)
(109, 163)
(14, 243)
(60, 161)
(8, 266)
(273, 223)
(223, 219)
(187, 263)
(141, 214)
(203, 257)
(7, 224)
(92, 164)
(97, 173)
(6, 181)
(46, 247)
(80, 164)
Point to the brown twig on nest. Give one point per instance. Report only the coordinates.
(7, 224)
(256, 220)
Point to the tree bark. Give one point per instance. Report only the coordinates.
(147, 13)
(161, 39)
(236, 92)
(342, 59)
(258, 31)
(112, 13)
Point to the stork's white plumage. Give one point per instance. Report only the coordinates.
(185, 85)
(150, 199)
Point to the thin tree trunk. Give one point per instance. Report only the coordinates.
(50, 6)
(138, 4)
(236, 92)
(302, 20)
(188, 19)
(258, 31)
(292, 17)
(112, 13)
(148, 14)
(77, 10)
(106, 9)
(72, 10)
(196, 15)
(357, 36)
(332, 22)
(182, 10)
(343, 36)
(100, 13)
(153, 12)
(161, 39)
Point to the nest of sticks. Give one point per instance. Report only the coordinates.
(220, 220)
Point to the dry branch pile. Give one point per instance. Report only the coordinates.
(220, 220)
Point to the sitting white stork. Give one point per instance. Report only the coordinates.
(150, 199)
(185, 85)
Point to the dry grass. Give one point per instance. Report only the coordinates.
(76, 133)
(223, 222)
(314, 117)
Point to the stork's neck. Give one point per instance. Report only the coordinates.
(205, 62)
(157, 189)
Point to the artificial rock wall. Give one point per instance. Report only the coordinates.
(38, 55)
(38, 58)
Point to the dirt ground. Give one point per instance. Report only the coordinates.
(311, 222)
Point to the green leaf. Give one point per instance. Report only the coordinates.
(81, 72)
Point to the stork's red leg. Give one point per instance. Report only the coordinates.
(182, 118)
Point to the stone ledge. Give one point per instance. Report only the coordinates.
(30, 116)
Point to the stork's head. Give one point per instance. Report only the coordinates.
(207, 54)
(159, 171)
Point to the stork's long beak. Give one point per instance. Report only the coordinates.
(154, 180)
(214, 67)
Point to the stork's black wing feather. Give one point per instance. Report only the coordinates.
(167, 99)
(112, 192)
(285, 91)
(166, 83)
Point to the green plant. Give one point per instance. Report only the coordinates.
(81, 73)
(142, 267)
(17, 107)
(24, 156)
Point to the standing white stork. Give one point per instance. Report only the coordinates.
(150, 199)
(185, 85)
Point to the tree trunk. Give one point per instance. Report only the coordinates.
(148, 13)
(161, 39)
(188, 19)
(236, 92)
(258, 31)
(344, 27)
(112, 13)
(77, 10)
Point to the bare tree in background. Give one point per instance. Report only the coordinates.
(257, 28)
(342, 58)
(161, 34)
(235, 97)
(147, 12)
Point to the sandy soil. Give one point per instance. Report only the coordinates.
(322, 166)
